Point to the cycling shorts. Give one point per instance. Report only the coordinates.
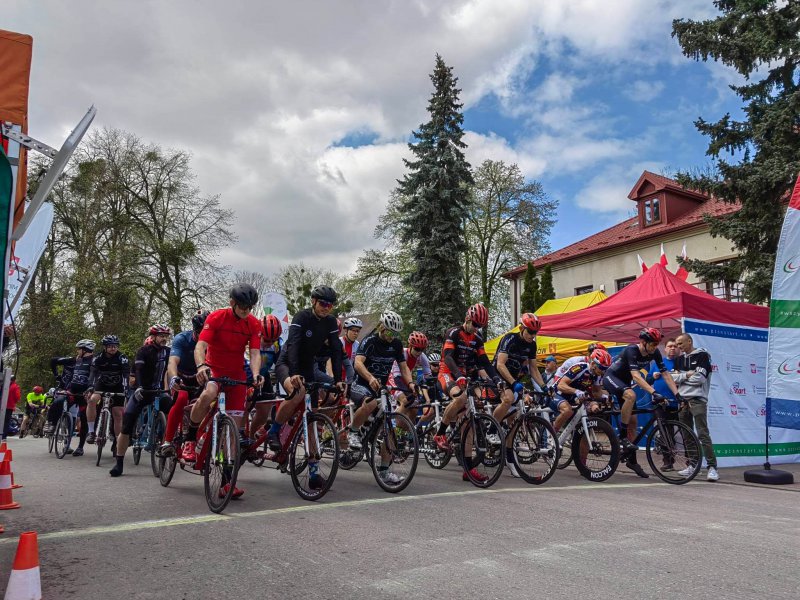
(360, 394)
(615, 387)
(235, 396)
(447, 381)
(32, 409)
(116, 401)
(137, 402)
(554, 401)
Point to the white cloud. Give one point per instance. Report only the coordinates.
(645, 91)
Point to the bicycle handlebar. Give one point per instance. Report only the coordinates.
(227, 381)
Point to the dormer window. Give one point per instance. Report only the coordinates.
(652, 211)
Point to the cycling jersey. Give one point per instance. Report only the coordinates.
(463, 354)
(517, 351)
(632, 359)
(227, 337)
(151, 364)
(109, 372)
(350, 348)
(67, 364)
(419, 363)
(35, 400)
(567, 365)
(307, 334)
(74, 373)
(379, 356)
(581, 378)
(183, 346)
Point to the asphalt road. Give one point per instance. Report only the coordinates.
(441, 538)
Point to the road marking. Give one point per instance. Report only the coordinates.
(197, 519)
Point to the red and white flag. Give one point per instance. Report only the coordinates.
(681, 272)
(642, 266)
(664, 262)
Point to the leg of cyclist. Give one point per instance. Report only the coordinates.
(459, 400)
(296, 391)
(406, 405)
(365, 405)
(91, 415)
(54, 413)
(84, 426)
(562, 408)
(174, 419)
(198, 413)
(133, 409)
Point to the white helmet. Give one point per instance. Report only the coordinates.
(85, 345)
(392, 321)
(351, 322)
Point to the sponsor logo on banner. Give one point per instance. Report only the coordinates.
(737, 390)
(790, 366)
(734, 410)
(716, 410)
(760, 390)
(762, 412)
(756, 369)
(715, 368)
(733, 368)
(792, 265)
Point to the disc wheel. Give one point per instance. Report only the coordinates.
(434, 456)
(674, 452)
(483, 454)
(394, 450)
(596, 457)
(156, 439)
(221, 464)
(327, 459)
(63, 435)
(534, 446)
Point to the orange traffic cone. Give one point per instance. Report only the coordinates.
(25, 581)
(7, 458)
(3, 450)
(6, 500)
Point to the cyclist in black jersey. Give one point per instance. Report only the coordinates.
(75, 381)
(109, 373)
(516, 351)
(629, 368)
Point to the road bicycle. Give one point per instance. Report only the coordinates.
(104, 429)
(436, 457)
(148, 433)
(65, 427)
(388, 443)
(307, 436)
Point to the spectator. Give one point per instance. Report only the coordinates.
(693, 376)
(14, 394)
(550, 366)
(672, 352)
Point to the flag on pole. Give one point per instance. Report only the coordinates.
(681, 272)
(663, 259)
(642, 266)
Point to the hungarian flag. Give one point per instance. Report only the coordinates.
(663, 260)
(681, 272)
(642, 266)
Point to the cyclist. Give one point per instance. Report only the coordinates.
(271, 330)
(463, 355)
(150, 366)
(181, 369)
(324, 361)
(374, 361)
(416, 362)
(583, 380)
(352, 327)
(574, 360)
(516, 351)
(110, 372)
(74, 381)
(307, 334)
(33, 402)
(628, 370)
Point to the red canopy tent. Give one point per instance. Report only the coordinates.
(656, 299)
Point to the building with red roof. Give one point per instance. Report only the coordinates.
(667, 214)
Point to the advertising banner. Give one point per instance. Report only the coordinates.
(275, 304)
(737, 403)
(27, 252)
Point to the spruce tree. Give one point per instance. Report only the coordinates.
(761, 40)
(546, 290)
(433, 200)
(529, 299)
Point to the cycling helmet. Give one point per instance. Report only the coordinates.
(272, 328)
(595, 346)
(478, 314)
(530, 322)
(392, 321)
(37, 389)
(85, 345)
(601, 358)
(159, 329)
(325, 293)
(244, 294)
(352, 322)
(418, 340)
(199, 319)
(434, 358)
(650, 334)
(110, 340)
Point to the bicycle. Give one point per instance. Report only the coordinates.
(390, 437)
(148, 433)
(65, 427)
(434, 456)
(306, 436)
(37, 425)
(597, 443)
(104, 429)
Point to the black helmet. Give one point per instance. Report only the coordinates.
(323, 292)
(244, 294)
(110, 340)
(199, 319)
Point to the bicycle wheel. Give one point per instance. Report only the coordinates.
(597, 457)
(168, 465)
(678, 449)
(565, 455)
(394, 452)
(534, 447)
(327, 461)
(484, 458)
(51, 440)
(434, 456)
(138, 438)
(221, 465)
(101, 434)
(63, 434)
(156, 439)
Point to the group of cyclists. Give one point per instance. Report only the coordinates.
(233, 345)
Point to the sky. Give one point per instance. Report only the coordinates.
(298, 114)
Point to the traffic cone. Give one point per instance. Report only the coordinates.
(25, 581)
(7, 459)
(3, 450)
(6, 500)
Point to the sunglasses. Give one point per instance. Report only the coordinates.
(476, 325)
(324, 304)
(388, 333)
(243, 307)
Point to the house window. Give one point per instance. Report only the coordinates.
(652, 211)
(732, 292)
(586, 289)
(624, 282)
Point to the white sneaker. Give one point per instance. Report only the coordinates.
(392, 478)
(513, 468)
(712, 474)
(687, 472)
(354, 440)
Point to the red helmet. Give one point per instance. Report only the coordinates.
(595, 346)
(159, 329)
(418, 340)
(478, 314)
(37, 389)
(650, 334)
(271, 328)
(530, 322)
(601, 358)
